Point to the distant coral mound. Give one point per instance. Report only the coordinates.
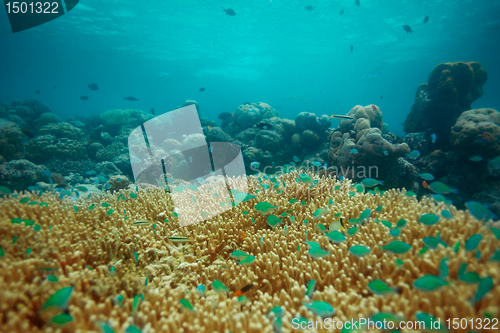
(451, 89)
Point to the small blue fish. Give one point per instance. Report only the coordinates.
(429, 283)
(311, 286)
(413, 155)
(354, 151)
(359, 251)
(476, 158)
(370, 182)
(472, 242)
(316, 163)
(479, 211)
(321, 309)
(296, 159)
(429, 219)
(255, 165)
(426, 176)
(397, 246)
(484, 287)
(446, 214)
(441, 188)
(433, 137)
(317, 253)
(200, 290)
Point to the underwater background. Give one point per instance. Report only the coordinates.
(251, 166)
(162, 53)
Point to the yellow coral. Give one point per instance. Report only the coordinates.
(84, 243)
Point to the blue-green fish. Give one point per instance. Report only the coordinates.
(352, 231)
(441, 188)
(336, 236)
(59, 299)
(446, 214)
(312, 244)
(429, 283)
(496, 256)
(470, 278)
(304, 178)
(273, 221)
(379, 208)
(238, 255)
(433, 242)
(319, 212)
(296, 159)
(496, 232)
(311, 286)
(479, 211)
(365, 214)
(379, 287)
(105, 328)
(429, 219)
(354, 151)
(397, 246)
(200, 290)
(426, 176)
(186, 305)
(248, 260)
(132, 329)
(219, 287)
(359, 250)
(413, 155)
(395, 232)
(278, 325)
(317, 252)
(321, 309)
(484, 287)
(472, 242)
(62, 318)
(370, 182)
(265, 208)
(476, 158)
(277, 311)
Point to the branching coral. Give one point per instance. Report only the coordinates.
(80, 245)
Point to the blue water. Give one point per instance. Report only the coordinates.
(162, 52)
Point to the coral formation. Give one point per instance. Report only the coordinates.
(11, 138)
(451, 89)
(20, 174)
(45, 147)
(248, 115)
(116, 183)
(123, 274)
(477, 133)
(356, 148)
(63, 130)
(122, 122)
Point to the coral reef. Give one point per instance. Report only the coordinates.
(477, 133)
(123, 274)
(357, 149)
(451, 89)
(248, 115)
(11, 138)
(20, 174)
(45, 147)
(63, 130)
(122, 122)
(117, 183)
